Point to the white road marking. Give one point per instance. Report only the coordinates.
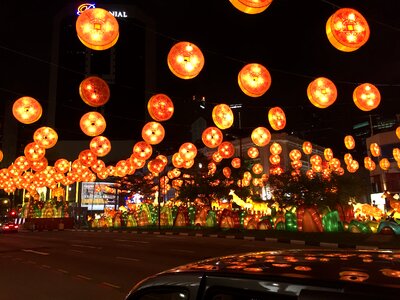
(85, 246)
(111, 285)
(127, 258)
(62, 271)
(77, 251)
(35, 252)
(83, 277)
(46, 266)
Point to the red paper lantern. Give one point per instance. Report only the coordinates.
(27, 110)
(226, 149)
(98, 166)
(160, 107)
(227, 172)
(334, 164)
(94, 91)
(261, 136)
(97, 29)
(375, 149)
(45, 137)
(62, 165)
(87, 158)
(347, 30)
(275, 159)
(137, 163)
(155, 166)
(277, 118)
(328, 154)
(39, 165)
(212, 137)
(216, 156)
(34, 152)
(316, 160)
(187, 151)
(369, 164)
(1, 155)
(22, 163)
(236, 163)
(347, 158)
(254, 80)
(142, 150)
(153, 133)
(322, 92)
(396, 154)
(366, 97)
(251, 6)
(222, 116)
(307, 148)
(398, 132)
(257, 168)
(349, 142)
(185, 60)
(275, 148)
(177, 160)
(100, 145)
(92, 123)
(295, 155)
(253, 152)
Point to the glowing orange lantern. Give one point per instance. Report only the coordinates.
(369, 164)
(185, 60)
(216, 156)
(236, 163)
(155, 165)
(142, 150)
(254, 80)
(97, 29)
(253, 152)
(227, 172)
(22, 163)
(310, 174)
(295, 154)
(257, 168)
(328, 154)
(296, 164)
(353, 166)
(212, 167)
(375, 149)
(384, 164)
(251, 6)
(396, 154)
(187, 151)
(316, 159)
(307, 148)
(366, 97)
(275, 148)
(27, 110)
(153, 133)
(226, 149)
(316, 168)
(349, 142)
(1, 155)
(322, 92)
(163, 158)
(94, 91)
(277, 118)
(398, 132)
(34, 152)
(87, 158)
(222, 116)
(334, 164)
(121, 168)
(177, 160)
(348, 158)
(212, 137)
(62, 165)
(261, 136)
(45, 137)
(160, 107)
(137, 163)
(39, 165)
(98, 166)
(347, 30)
(92, 123)
(100, 145)
(275, 159)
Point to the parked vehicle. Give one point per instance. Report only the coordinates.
(8, 227)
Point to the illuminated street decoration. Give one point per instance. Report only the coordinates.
(153, 133)
(187, 151)
(94, 91)
(39, 165)
(212, 137)
(177, 160)
(100, 145)
(369, 164)
(366, 97)
(322, 92)
(227, 172)
(251, 6)
(384, 164)
(27, 110)
(97, 29)
(185, 60)
(1, 155)
(92, 123)
(253, 152)
(142, 150)
(236, 163)
(307, 147)
(375, 149)
(45, 137)
(87, 158)
(34, 152)
(160, 107)
(257, 168)
(277, 118)
(62, 165)
(222, 116)
(328, 154)
(226, 149)
(349, 142)
(295, 155)
(398, 132)
(254, 80)
(261, 136)
(275, 148)
(347, 30)
(22, 163)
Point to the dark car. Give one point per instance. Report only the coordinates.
(286, 274)
(8, 227)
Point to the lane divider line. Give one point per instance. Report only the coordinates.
(111, 285)
(83, 277)
(35, 252)
(127, 258)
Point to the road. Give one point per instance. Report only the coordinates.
(100, 265)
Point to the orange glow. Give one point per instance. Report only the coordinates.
(236, 162)
(212, 137)
(216, 156)
(316, 159)
(322, 92)
(27, 110)
(185, 60)
(307, 148)
(257, 169)
(277, 118)
(275, 159)
(177, 160)
(227, 172)
(92, 123)
(254, 80)
(275, 148)
(398, 132)
(45, 137)
(251, 6)
(226, 149)
(384, 164)
(187, 151)
(261, 136)
(253, 152)
(94, 91)
(62, 165)
(87, 158)
(142, 150)
(295, 154)
(153, 133)
(366, 97)
(349, 142)
(222, 116)
(100, 145)
(33, 152)
(328, 154)
(375, 149)
(334, 164)
(160, 107)
(369, 164)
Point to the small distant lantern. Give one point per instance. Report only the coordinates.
(160, 107)
(369, 164)
(375, 149)
(347, 30)
(295, 154)
(226, 149)
(353, 166)
(97, 29)
(277, 118)
(316, 168)
(251, 6)
(275, 159)
(257, 168)
(398, 132)
(322, 92)
(366, 97)
(261, 136)
(136, 162)
(62, 165)
(254, 80)
(92, 123)
(349, 142)
(27, 110)
(296, 164)
(227, 172)
(142, 150)
(100, 145)
(316, 159)
(328, 154)
(212, 137)
(236, 163)
(216, 156)
(177, 160)
(334, 164)
(253, 152)
(275, 148)
(307, 148)
(45, 137)
(347, 158)
(98, 166)
(94, 91)
(187, 151)
(34, 152)
(212, 167)
(384, 164)
(153, 133)
(310, 174)
(222, 116)
(87, 158)
(155, 166)
(185, 60)
(163, 158)
(22, 163)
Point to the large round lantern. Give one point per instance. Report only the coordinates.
(236, 162)
(40, 164)
(22, 163)
(275, 148)
(366, 97)
(27, 110)
(212, 137)
(92, 123)
(322, 92)
(87, 158)
(254, 80)
(253, 152)
(251, 6)
(177, 160)
(295, 154)
(277, 118)
(384, 164)
(187, 151)
(94, 91)
(62, 165)
(275, 159)
(97, 29)
(45, 137)
(261, 136)
(142, 150)
(34, 152)
(307, 148)
(375, 149)
(226, 149)
(347, 30)
(160, 107)
(100, 145)
(1, 155)
(328, 154)
(153, 133)
(185, 60)
(349, 142)
(222, 116)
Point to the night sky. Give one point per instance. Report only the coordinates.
(288, 38)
